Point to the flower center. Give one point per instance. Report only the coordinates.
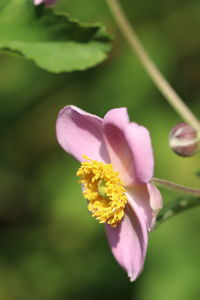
(104, 191)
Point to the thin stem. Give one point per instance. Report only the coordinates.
(174, 186)
(156, 76)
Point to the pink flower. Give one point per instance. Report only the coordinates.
(116, 168)
(46, 2)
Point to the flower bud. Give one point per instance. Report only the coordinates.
(45, 2)
(184, 140)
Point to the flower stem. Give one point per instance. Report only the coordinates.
(156, 76)
(176, 187)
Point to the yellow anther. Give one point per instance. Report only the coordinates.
(104, 191)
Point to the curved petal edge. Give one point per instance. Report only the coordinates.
(128, 242)
(156, 202)
(129, 147)
(80, 133)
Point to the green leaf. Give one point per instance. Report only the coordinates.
(52, 40)
(177, 206)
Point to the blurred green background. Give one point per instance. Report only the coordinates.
(51, 249)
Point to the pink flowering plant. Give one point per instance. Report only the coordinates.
(116, 170)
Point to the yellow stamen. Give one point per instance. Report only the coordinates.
(104, 191)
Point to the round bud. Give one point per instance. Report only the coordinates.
(184, 140)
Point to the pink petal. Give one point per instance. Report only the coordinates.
(139, 195)
(128, 242)
(140, 143)
(149, 202)
(156, 202)
(46, 2)
(80, 133)
(129, 147)
(37, 2)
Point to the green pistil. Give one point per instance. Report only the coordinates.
(101, 189)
